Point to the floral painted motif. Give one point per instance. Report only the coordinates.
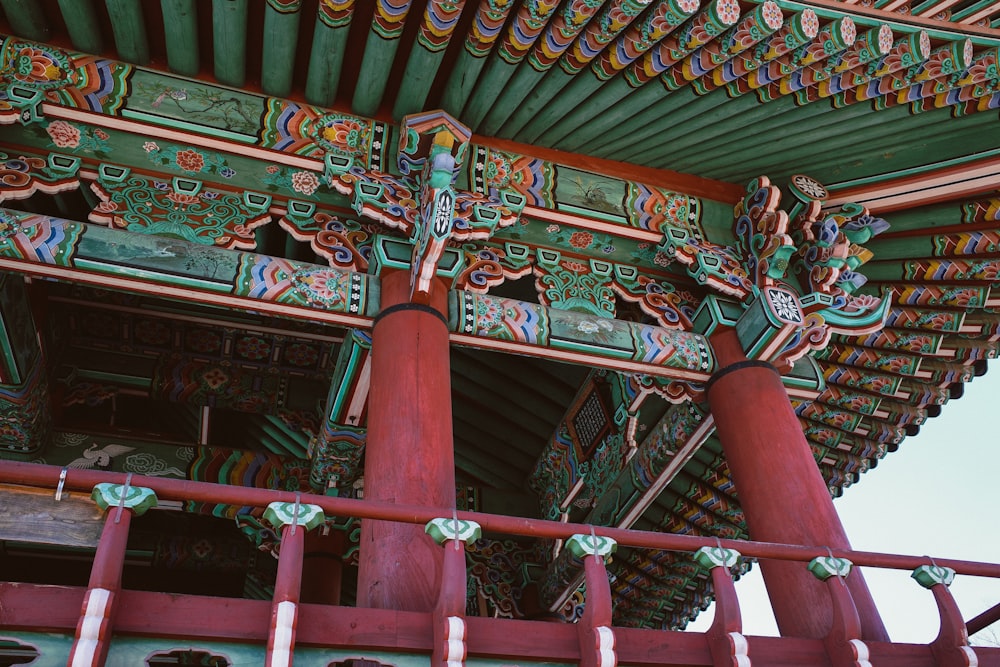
(326, 287)
(63, 134)
(37, 66)
(190, 160)
(342, 134)
(305, 182)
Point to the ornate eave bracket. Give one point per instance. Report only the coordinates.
(793, 273)
(423, 202)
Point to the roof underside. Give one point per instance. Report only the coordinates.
(875, 100)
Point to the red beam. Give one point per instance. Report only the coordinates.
(55, 608)
(46, 476)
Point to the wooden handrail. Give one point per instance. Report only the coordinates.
(47, 476)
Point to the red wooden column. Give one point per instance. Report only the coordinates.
(293, 520)
(409, 457)
(93, 631)
(781, 491)
(322, 567)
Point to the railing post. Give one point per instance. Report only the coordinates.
(449, 612)
(597, 638)
(843, 643)
(725, 638)
(93, 631)
(292, 520)
(951, 647)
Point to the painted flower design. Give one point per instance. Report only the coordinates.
(581, 239)
(203, 340)
(227, 172)
(299, 354)
(102, 135)
(152, 332)
(35, 66)
(182, 200)
(343, 134)
(272, 169)
(63, 134)
(305, 182)
(9, 226)
(591, 327)
(325, 287)
(150, 146)
(253, 347)
(662, 259)
(215, 378)
(190, 160)
(489, 313)
(552, 229)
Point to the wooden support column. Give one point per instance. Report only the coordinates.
(594, 632)
(781, 491)
(843, 643)
(322, 567)
(292, 520)
(951, 646)
(725, 637)
(409, 456)
(449, 613)
(93, 630)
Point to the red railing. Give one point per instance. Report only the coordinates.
(497, 637)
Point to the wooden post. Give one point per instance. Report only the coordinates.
(322, 567)
(726, 642)
(293, 520)
(594, 632)
(93, 630)
(843, 643)
(951, 646)
(409, 457)
(449, 613)
(781, 491)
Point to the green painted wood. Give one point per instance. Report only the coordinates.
(129, 28)
(910, 140)
(970, 10)
(375, 67)
(545, 90)
(462, 82)
(180, 17)
(518, 88)
(26, 18)
(491, 85)
(281, 34)
(615, 101)
(380, 51)
(325, 62)
(229, 40)
(81, 23)
(421, 67)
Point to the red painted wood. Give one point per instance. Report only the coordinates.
(322, 567)
(985, 619)
(781, 491)
(952, 636)
(189, 617)
(105, 575)
(596, 613)
(46, 476)
(109, 558)
(409, 455)
(846, 625)
(451, 598)
(287, 583)
(727, 618)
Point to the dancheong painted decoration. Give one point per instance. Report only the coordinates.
(495, 332)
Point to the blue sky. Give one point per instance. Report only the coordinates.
(938, 495)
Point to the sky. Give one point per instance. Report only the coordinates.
(938, 495)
